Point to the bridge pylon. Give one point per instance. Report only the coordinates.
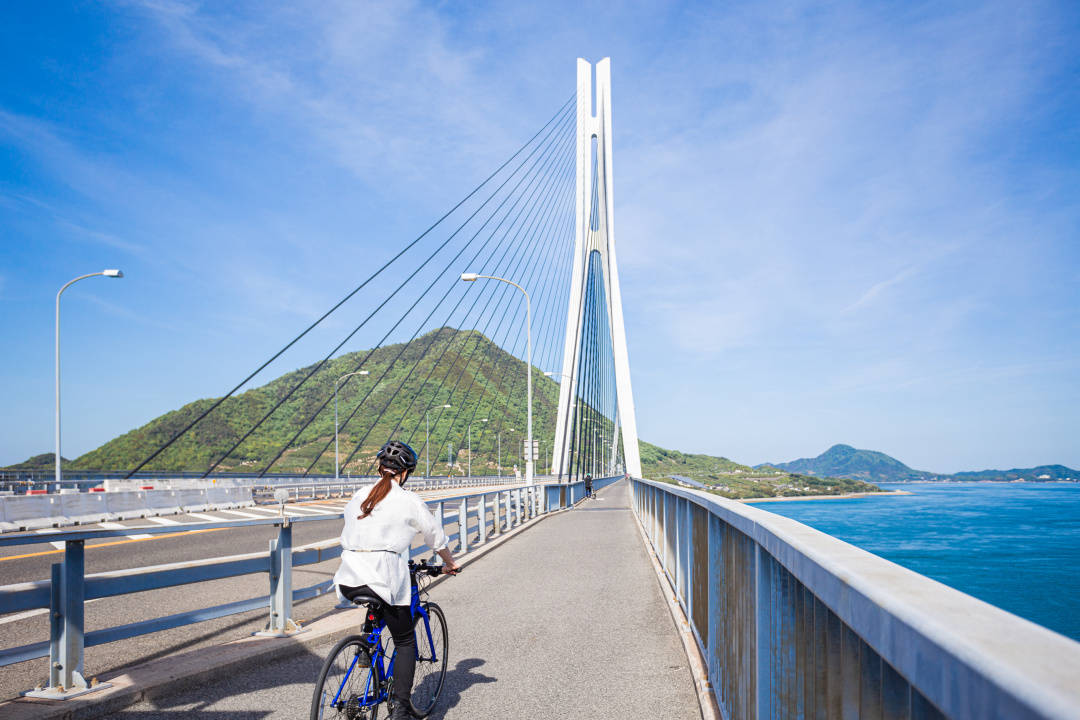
(595, 283)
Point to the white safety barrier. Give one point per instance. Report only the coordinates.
(127, 505)
(32, 512)
(81, 508)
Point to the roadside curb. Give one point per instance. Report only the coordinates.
(172, 674)
(698, 667)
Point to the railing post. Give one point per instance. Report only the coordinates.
(67, 593)
(481, 514)
(463, 526)
(496, 526)
(517, 501)
(763, 589)
(440, 515)
(281, 623)
(509, 515)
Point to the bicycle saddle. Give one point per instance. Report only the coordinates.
(370, 599)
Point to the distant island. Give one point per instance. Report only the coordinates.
(873, 466)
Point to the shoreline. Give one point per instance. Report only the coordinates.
(845, 496)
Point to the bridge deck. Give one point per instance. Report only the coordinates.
(565, 620)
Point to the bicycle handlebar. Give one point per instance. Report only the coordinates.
(426, 569)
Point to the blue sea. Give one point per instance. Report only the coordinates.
(1014, 545)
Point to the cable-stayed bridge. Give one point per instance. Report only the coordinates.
(493, 338)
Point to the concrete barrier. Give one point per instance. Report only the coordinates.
(83, 508)
(127, 505)
(31, 512)
(193, 500)
(163, 502)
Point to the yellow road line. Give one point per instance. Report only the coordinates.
(114, 542)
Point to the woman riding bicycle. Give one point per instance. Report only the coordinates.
(380, 525)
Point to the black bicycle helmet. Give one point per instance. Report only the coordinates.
(397, 456)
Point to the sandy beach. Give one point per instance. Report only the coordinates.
(847, 496)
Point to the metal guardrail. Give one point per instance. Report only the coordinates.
(795, 623)
(65, 593)
(314, 490)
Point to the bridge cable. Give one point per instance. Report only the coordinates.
(325, 315)
(377, 309)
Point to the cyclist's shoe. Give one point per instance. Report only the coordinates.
(401, 712)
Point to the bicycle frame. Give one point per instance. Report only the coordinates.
(381, 673)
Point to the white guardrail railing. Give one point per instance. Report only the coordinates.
(795, 623)
(486, 515)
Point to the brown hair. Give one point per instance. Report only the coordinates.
(377, 493)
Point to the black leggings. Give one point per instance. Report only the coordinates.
(400, 622)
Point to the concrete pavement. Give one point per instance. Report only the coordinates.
(565, 620)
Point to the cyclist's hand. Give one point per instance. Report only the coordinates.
(450, 567)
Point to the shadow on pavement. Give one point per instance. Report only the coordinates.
(458, 680)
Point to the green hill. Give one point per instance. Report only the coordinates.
(460, 368)
(846, 461)
(391, 401)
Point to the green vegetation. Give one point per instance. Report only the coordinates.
(389, 401)
(846, 461)
(460, 368)
(732, 480)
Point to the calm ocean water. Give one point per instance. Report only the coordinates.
(1014, 545)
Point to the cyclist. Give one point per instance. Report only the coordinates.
(380, 525)
(588, 486)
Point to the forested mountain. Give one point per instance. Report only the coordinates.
(870, 465)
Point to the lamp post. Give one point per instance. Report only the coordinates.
(427, 440)
(472, 277)
(112, 273)
(337, 386)
(484, 420)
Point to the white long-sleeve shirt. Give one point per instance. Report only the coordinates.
(391, 526)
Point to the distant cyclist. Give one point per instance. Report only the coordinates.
(588, 486)
(380, 525)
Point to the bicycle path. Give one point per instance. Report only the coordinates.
(565, 620)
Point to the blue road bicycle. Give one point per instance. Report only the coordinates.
(358, 675)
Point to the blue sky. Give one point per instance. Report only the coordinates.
(837, 222)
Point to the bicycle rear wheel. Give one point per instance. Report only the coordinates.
(430, 662)
(347, 689)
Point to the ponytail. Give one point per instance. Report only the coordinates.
(377, 493)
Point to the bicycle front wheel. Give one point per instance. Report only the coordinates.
(430, 661)
(347, 689)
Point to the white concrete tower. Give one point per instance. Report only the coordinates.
(594, 130)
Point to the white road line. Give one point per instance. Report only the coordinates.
(164, 521)
(208, 518)
(269, 511)
(328, 508)
(50, 531)
(240, 513)
(33, 613)
(310, 509)
(118, 526)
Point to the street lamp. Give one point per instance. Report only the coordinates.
(337, 386)
(112, 273)
(484, 420)
(427, 440)
(472, 277)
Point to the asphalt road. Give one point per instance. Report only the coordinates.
(23, 563)
(566, 620)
